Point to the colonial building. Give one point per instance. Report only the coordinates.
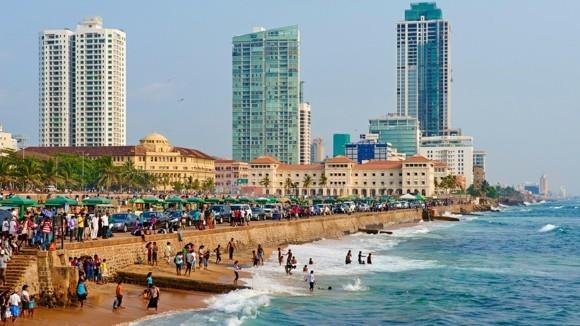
(339, 176)
(230, 175)
(154, 154)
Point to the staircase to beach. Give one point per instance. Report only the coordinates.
(17, 267)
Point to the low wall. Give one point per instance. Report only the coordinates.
(122, 252)
(179, 283)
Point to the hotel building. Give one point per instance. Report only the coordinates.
(339, 176)
(454, 151)
(82, 86)
(230, 175)
(7, 142)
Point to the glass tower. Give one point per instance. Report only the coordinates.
(401, 131)
(339, 142)
(266, 94)
(423, 68)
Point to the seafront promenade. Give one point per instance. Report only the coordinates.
(50, 277)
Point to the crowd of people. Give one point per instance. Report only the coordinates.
(15, 304)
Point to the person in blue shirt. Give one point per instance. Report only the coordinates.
(82, 292)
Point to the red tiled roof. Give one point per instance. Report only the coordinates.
(417, 158)
(339, 159)
(301, 167)
(192, 152)
(110, 151)
(439, 164)
(379, 165)
(264, 160)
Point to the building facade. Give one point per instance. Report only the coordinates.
(340, 176)
(305, 132)
(424, 68)
(544, 187)
(230, 175)
(317, 150)
(154, 154)
(7, 142)
(83, 86)
(454, 151)
(478, 167)
(401, 131)
(339, 142)
(266, 94)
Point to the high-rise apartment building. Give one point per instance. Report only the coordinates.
(317, 150)
(544, 187)
(455, 151)
(83, 86)
(424, 68)
(266, 94)
(401, 131)
(305, 130)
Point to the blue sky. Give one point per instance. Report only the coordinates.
(515, 71)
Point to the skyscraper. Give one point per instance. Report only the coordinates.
(544, 187)
(317, 150)
(339, 142)
(266, 94)
(424, 69)
(401, 131)
(83, 86)
(305, 125)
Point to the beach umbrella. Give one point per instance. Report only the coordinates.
(230, 200)
(60, 201)
(94, 201)
(244, 200)
(272, 200)
(137, 201)
(195, 200)
(153, 200)
(20, 202)
(213, 200)
(420, 197)
(407, 197)
(174, 200)
(261, 200)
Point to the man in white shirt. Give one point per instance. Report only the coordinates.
(14, 303)
(3, 264)
(105, 225)
(5, 227)
(13, 229)
(311, 280)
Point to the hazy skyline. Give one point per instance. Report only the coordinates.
(514, 89)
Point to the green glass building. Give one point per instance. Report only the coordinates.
(339, 142)
(266, 94)
(401, 131)
(424, 68)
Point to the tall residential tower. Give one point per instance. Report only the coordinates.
(424, 69)
(266, 94)
(82, 86)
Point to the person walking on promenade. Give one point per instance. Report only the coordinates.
(72, 225)
(237, 270)
(118, 296)
(80, 227)
(231, 247)
(46, 232)
(105, 225)
(95, 228)
(311, 280)
(218, 254)
(153, 297)
(154, 252)
(168, 252)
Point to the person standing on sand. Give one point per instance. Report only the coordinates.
(369, 259)
(119, 296)
(153, 297)
(311, 280)
(189, 261)
(348, 259)
(178, 263)
(261, 254)
(360, 258)
(206, 259)
(200, 255)
(218, 254)
(82, 292)
(3, 264)
(237, 270)
(254, 258)
(168, 252)
(149, 253)
(231, 247)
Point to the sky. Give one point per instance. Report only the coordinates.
(515, 71)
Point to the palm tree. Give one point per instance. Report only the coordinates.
(6, 170)
(49, 172)
(306, 182)
(67, 174)
(288, 184)
(265, 182)
(127, 175)
(196, 185)
(189, 183)
(107, 173)
(29, 173)
(208, 185)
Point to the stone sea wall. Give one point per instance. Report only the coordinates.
(123, 252)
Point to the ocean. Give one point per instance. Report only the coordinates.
(520, 266)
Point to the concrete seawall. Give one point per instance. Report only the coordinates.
(123, 252)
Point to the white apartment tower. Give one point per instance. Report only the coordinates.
(317, 150)
(304, 133)
(83, 86)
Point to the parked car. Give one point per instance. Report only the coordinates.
(269, 209)
(123, 222)
(349, 207)
(221, 213)
(244, 207)
(321, 209)
(338, 209)
(162, 221)
(363, 207)
(258, 213)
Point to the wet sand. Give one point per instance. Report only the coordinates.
(98, 309)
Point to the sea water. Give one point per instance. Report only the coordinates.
(516, 267)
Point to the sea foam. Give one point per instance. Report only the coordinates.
(547, 228)
(356, 286)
